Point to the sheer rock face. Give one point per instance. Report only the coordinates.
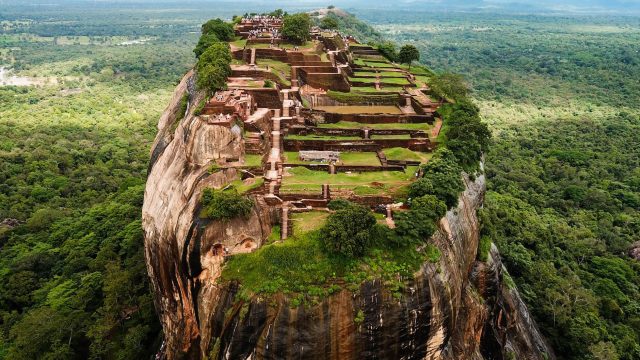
(456, 308)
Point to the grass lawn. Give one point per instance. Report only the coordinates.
(399, 153)
(304, 176)
(253, 160)
(239, 43)
(374, 109)
(399, 136)
(280, 69)
(375, 64)
(304, 222)
(395, 80)
(359, 158)
(248, 184)
(321, 137)
(371, 80)
(355, 125)
(372, 90)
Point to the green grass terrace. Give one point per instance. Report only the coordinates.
(391, 126)
(360, 109)
(392, 183)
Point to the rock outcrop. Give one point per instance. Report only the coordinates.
(456, 308)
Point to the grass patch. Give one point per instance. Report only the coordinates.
(360, 98)
(241, 43)
(363, 109)
(278, 68)
(392, 183)
(359, 158)
(355, 125)
(399, 153)
(395, 81)
(321, 137)
(395, 136)
(253, 160)
(304, 222)
(363, 79)
(302, 268)
(243, 186)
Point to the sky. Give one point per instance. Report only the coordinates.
(623, 7)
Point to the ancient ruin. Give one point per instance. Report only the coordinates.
(288, 100)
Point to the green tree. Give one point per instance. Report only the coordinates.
(296, 28)
(348, 231)
(417, 224)
(328, 23)
(214, 66)
(222, 30)
(205, 41)
(449, 86)
(408, 54)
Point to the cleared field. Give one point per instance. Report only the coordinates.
(378, 109)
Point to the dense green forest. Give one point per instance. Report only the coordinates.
(561, 95)
(563, 206)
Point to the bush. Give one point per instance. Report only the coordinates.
(419, 223)
(225, 204)
(444, 175)
(483, 248)
(348, 231)
(268, 83)
(388, 50)
(339, 204)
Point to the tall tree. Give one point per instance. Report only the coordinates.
(296, 28)
(408, 54)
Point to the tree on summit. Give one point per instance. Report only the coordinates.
(222, 30)
(296, 28)
(407, 54)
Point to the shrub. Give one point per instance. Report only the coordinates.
(443, 173)
(268, 83)
(339, 204)
(388, 50)
(419, 223)
(225, 204)
(483, 248)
